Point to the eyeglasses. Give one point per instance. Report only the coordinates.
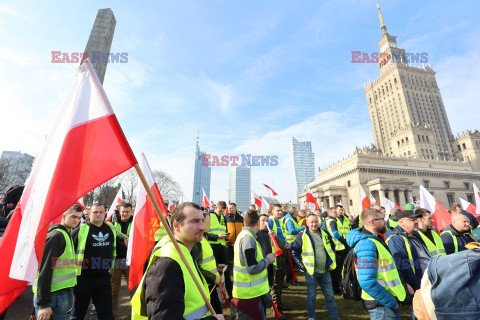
(377, 219)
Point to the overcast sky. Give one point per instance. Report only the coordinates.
(248, 75)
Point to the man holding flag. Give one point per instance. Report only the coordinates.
(167, 291)
(95, 242)
(57, 273)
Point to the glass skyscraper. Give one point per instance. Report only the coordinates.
(201, 178)
(303, 165)
(239, 190)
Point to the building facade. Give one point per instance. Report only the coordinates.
(201, 178)
(240, 187)
(414, 144)
(302, 160)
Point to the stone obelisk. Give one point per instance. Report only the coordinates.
(100, 41)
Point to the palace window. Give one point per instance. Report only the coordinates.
(426, 184)
(467, 185)
(446, 184)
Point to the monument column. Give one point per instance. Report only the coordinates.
(381, 195)
(331, 202)
(401, 197)
(390, 195)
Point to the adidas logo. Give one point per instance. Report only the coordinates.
(100, 237)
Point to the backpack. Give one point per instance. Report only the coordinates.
(349, 286)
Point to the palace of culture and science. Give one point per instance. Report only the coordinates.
(414, 144)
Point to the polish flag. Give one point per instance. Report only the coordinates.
(389, 205)
(118, 199)
(206, 202)
(226, 211)
(441, 217)
(171, 205)
(264, 207)
(311, 201)
(273, 191)
(364, 200)
(467, 206)
(145, 222)
(477, 199)
(258, 202)
(85, 148)
(372, 200)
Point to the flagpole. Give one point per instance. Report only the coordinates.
(170, 234)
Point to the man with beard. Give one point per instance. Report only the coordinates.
(376, 265)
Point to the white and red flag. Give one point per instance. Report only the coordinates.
(441, 217)
(258, 202)
(81, 203)
(389, 205)
(365, 202)
(265, 206)
(118, 199)
(372, 200)
(467, 206)
(312, 203)
(477, 199)
(206, 202)
(145, 222)
(171, 205)
(85, 148)
(273, 191)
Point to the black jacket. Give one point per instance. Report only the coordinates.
(165, 290)
(54, 248)
(462, 238)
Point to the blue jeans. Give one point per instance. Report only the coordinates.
(325, 282)
(59, 304)
(384, 313)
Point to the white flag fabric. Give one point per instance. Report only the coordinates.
(477, 198)
(118, 199)
(389, 205)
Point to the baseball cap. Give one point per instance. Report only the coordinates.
(410, 206)
(405, 214)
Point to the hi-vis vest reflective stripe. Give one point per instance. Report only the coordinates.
(118, 226)
(64, 268)
(195, 307)
(289, 237)
(455, 241)
(387, 274)
(245, 285)
(409, 250)
(435, 249)
(343, 228)
(308, 256)
(217, 226)
(338, 245)
(280, 226)
(208, 260)
(82, 240)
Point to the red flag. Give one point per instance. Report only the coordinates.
(226, 211)
(311, 199)
(206, 203)
(171, 205)
(85, 148)
(441, 217)
(145, 222)
(467, 206)
(365, 201)
(398, 207)
(258, 202)
(273, 191)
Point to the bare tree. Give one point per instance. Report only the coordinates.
(106, 192)
(14, 170)
(129, 181)
(169, 188)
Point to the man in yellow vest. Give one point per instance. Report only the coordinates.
(332, 227)
(124, 224)
(456, 235)
(57, 273)
(277, 225)
(217, 237)
(378, 276)
(313, 251)
(167, 290)
(250, 279)
(431, 238)
(95, 243)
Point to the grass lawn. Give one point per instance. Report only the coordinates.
(295, 297)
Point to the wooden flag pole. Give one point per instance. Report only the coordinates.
(170, 234)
